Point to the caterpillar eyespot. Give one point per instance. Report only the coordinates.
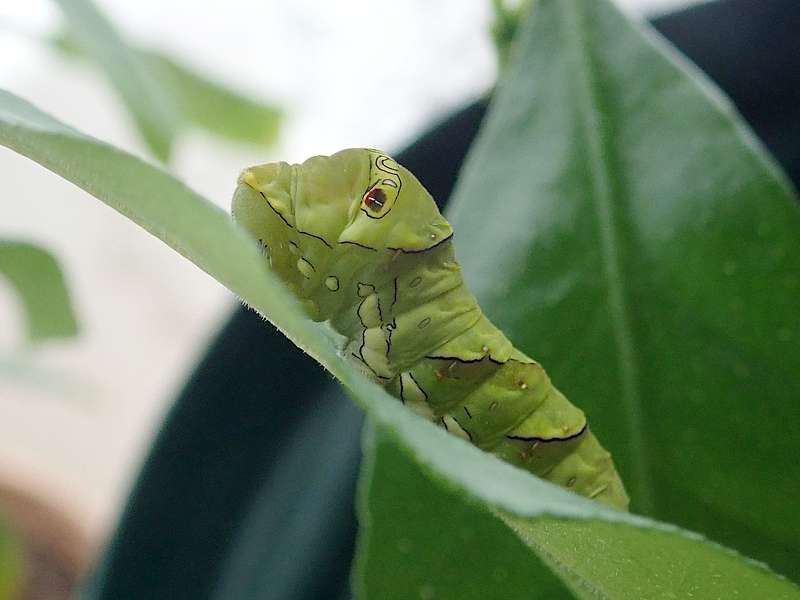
(375, 199)
(361, 242)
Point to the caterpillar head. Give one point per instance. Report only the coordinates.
(357, 196)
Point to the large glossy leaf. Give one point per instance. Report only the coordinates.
(151, 108)
(629, 232)
(37, 278)
(204, 234)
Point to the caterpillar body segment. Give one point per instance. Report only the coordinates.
(360, 240)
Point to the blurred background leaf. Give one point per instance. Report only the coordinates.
(10, 564)
(211, 106)
(152, 109)
(201, 101)
(508, 16)
(35, 275)
(646, 250)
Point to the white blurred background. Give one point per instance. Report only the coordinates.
(347, 73)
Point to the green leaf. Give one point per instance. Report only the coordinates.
(37, 278)
(638, 548)
(10, 563)
(632, 563)
(214, 107)
(151, 108)
(202, 102)
(423, 538)
(508, 17)
(646, 250)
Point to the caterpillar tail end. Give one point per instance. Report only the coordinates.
(579, 464)
(593, 473)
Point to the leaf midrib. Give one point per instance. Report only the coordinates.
(599, 150)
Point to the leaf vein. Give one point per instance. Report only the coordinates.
(599, 156)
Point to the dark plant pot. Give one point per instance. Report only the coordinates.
(249, 487)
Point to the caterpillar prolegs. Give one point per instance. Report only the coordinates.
(360, 240)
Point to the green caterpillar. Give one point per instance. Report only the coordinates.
(360, 240)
